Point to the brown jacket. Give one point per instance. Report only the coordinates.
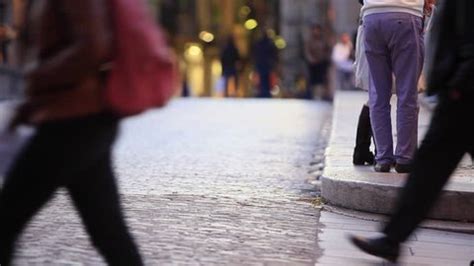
(66, 41)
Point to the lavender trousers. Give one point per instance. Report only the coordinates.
(394, 48)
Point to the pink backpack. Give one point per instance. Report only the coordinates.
(143, 73)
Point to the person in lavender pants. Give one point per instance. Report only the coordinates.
(394, 48)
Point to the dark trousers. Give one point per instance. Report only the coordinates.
(265, 84)
(317, 76)
(74, 154)
(448, 139)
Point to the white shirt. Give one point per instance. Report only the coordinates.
(414, 7)
(341, 56)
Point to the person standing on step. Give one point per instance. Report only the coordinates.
(449, 136)
(394, 47)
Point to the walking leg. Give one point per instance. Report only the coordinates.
(29, 184)
(96, 197)
(447, 140)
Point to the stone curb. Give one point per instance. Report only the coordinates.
(380, 199)
(359, 188)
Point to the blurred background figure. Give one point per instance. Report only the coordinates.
(230, 59)
(266, 58)
(6, 32)
(11, 17)
(10, 21)
(343, 60)
(317, 54)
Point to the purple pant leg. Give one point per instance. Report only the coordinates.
(380, 88)
(407, 60)
(394, 47)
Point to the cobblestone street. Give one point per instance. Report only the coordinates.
(228, 182)
(205, 182)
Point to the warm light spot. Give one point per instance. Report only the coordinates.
(280, 43)
(251, 24)
(245, 11)
(206, 36)
(193, 52)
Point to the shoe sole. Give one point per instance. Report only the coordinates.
(363, 247)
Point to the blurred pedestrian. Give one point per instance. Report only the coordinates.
(449, 136)
(9, 14)
(394, 47)
(342, 58)
(317, 54)
(75, 133)
(230, 59)
(265, 55)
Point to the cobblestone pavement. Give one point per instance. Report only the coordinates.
(228, 182)
(205, 182)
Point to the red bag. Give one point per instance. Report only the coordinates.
(143, 73)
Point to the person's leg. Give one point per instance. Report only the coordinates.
(312, 68)
(327, 93)
(94, 191)
(407, 57)
(348, 81)
(379, 63)
(265, 84)
(226, 86)
(95, 195)
(447, 140)
(30, 183)
(341, 83)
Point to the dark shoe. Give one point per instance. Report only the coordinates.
(382, 167)
(361, 158)
(379, 247)
(403, 168)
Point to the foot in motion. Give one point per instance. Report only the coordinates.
(380, 247)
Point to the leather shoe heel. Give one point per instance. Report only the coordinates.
(382, 168)
(403, 168)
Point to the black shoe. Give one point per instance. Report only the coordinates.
(403, 168)
(379, 247)
(361, 158)
(382, 167)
